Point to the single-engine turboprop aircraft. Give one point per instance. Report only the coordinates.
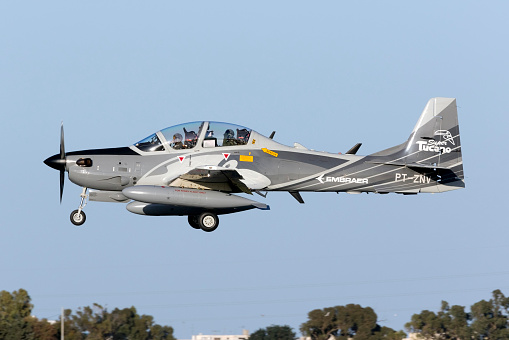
(195, 169)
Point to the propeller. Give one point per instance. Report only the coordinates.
(62, 157)
(58, 161)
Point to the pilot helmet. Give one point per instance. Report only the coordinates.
(229, 134)
(177, 138)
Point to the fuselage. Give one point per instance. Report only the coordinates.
(261, 160)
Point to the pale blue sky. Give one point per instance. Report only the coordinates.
(325, 74)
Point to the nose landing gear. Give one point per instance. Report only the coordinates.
(78, 216)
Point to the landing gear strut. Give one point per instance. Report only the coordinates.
(78, 216)
(206, 221)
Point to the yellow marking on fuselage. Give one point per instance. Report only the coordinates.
(270, 152)
(244, 158)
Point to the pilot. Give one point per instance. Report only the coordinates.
(176, 143)
(229, 137)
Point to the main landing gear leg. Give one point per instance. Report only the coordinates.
(78, 216)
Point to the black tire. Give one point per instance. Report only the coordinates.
(208, 221)
(78, 219)
(193, 221)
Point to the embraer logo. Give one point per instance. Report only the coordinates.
(341, 179)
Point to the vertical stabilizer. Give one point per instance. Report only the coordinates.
(434, 146)
(435, 139)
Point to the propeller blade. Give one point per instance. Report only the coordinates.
(62, 146)
(62, 180)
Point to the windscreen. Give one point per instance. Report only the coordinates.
(150, 144)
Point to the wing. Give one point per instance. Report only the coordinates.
(223, 179)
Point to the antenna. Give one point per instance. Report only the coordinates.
(62, 325)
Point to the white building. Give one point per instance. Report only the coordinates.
(243, 336)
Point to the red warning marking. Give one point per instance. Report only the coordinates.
(181, 158)
(226, 155)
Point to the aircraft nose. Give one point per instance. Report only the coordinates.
(55, 162)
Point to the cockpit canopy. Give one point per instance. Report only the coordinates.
(189, 135)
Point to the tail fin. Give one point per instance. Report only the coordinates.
(436, 136)
(433, 144)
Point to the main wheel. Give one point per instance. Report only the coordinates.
(193, 221)
(78, 218)
(208, 221)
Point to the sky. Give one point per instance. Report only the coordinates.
(326, 74)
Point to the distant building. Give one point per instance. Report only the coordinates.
(243, 336)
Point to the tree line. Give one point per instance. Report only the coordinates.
(88, 323)
(486, 320)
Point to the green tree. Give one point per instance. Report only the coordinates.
(448, 323)
(15, 309)
(42, 329)
(96, 323)
(273, 332)
(347, 322)
(89, 323)
(321, 324)
(489, 319)
(356, 321)
(458, 323)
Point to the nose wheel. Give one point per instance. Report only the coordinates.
(78, 216)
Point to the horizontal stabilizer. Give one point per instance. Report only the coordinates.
(410, 165)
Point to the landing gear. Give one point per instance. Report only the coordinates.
(206, 221)
(193, 221)
(78, 216)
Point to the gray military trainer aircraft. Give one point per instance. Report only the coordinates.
(195, 169)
